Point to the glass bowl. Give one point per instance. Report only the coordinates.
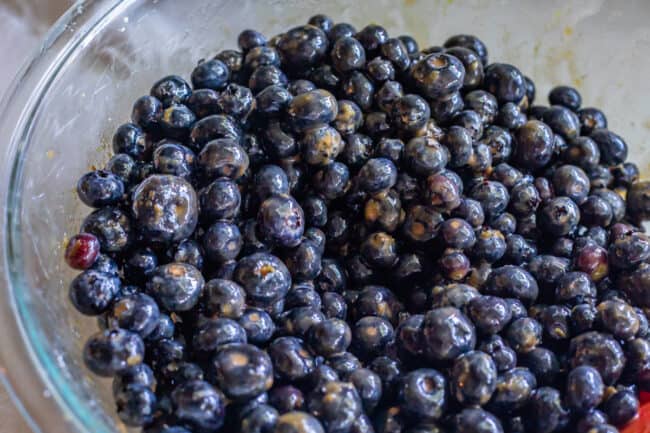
(58, 119)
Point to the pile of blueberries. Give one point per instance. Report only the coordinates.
(335, 231)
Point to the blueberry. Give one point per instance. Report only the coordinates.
(472, 63)
(613, 149)
(585, 388)
(320, 145)
(410, 113)
(596, 211)
(600, 351)
(286, 398)
(492, 195)
(575, 288)
(344, 364)
(130, 139)
(173, 158)
(447, 334)
(423, 394)
(138, 375)
(490, 314)
(137, 313)
(396, 52)
(199, 404)
(469, 42)
(324, 77)
(249, 39)
(165, 208)
(222, 157)
(512, 281)
(544, 364)
(476, 420)
(524, 199)
(258, 325)
(332, 278)
(546, 411)
(176, 286)
(442, 192)
(100, 188)
(505, 82)
(281, 221)
(336, 404)
(591, 119)
(136, 405)
(147, 113)
(534, 145)
(372, 37)
(473, 378)
(298, 422)
(311, 109)
(358, 88)
(171, 90)
(299, 320)
(562, 121)
(565, 96)
(371, 335)
(438, 74)
(503, 356)
(93, 291)
(511, 117)
(291, 360)
(559, 216)
(222, 241)
(424, 156)
(524, 334)
(379, 249)
(302, 47)
(242, 371)
(513, 390)
(445, 108)
(216, 333)
(470, 120)
(236, 101)
(621, 407)
(334, 306)
(348, 54)
(112, 351)
(453, 295)
(164, 329)
(264, 76)
(618, 318)
(341, 30)
(583, 152)
(221, 199)
(204, 102)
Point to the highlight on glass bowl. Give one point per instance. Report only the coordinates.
(419, 218)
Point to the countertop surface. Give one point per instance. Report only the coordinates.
(24, 22)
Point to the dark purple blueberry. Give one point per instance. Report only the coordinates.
(534, 145)
(204, 102)
(543, 363)
(524, 334)
(264, 76)
(147, 113)
(263, 276)
(320, 145)
(100, 188)
(222, 157)
(469, 42)
(476, 420)
(200, 405)
(423, 394)
(130, 139)
(136, 405)
(222, 241)
(492, 195)
(447, 334)
(559, 216)
(302, 47)
(221, 199)
(348, 54)
(210, 74)
(438, 74)
(618, 318)
(291, 360)
(470, 120)
(349, 118)
(425, 157)
(512, 281)
(613, 149)
(546, 411)
(621, 407)
(513, 390)
(171, 90)
(585, 389)
(242, 371)
(280, 221)
(445, 108)
(92, 291)
(370, 336)
(503, 356)
(249, 39)
(258, 325)
(565, 96)
(176, 286)
(137, 313)
(600, 351)
(473, 378)
(112, 351)
(165, 208)
(591, 119)
(505, 82)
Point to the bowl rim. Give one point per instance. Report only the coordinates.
(28, 370)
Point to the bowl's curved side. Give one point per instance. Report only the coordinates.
(28, 368)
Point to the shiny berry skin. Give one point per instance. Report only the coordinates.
(600, 351)
(445, 108)
(377, 301)
(221, 199)
(199, 404)
(82, 251)
(503, 356)
(458, 141)
(613, 149)
(258, 325)
(210, 74)
(370, 336)
(562, 121)
(476, 420)
(474, 71)
(618, 318)
(423, 394)
(242, 371)
(511, 117)
(171, 90)
(222, 158)
(136, 405)
(621, 407)
(524, 334)
(469, 42)
(312, 108)
(410, 113)
(137, 313)
(165, 208)
(512, 281)
(348, 54)
(320, 145)
(448, 333)
(302, 47)
(92, 291)
(147, 113)
(547, 411)
(492, 195)
(368, 386)
(203, 102)
(176, 286)
(559, 216)
(236, 101)
(224, 298)
(575, 288)
(425, 157)
(249, 39)
(173, 158)
(280, 221)
(264, 76)
(591, 119)
(585, 388)
(330, 337)
(100, 188)
(379, 249)
(438, 74)
(291, 359)
(513, 390)
(129, 138)
(222, 242)
(298, 422)
(214, 127)
(505, 82)
(543, 363)
(336, 404)
(490, 314)
(534, 145)
(572, 182)
(565, 96)
(212, 334)
(112, 351)
(470, 120)
(177, 121)
(473, 378)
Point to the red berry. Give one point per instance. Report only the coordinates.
(82, 251)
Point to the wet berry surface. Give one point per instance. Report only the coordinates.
(332, 230)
